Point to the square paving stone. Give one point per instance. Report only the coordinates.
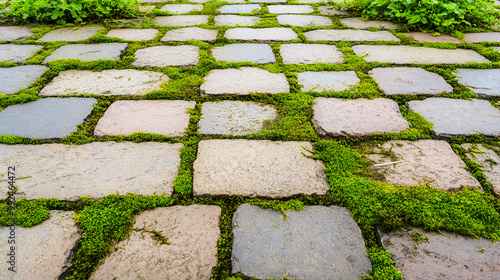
(167, 117)
(88, 52)
(14, 33)
(234, 117)
(482, 37)
(234, 20)
(349, 35)
(321, 81)
(304, 21)
(408, 80)
(427, 37)
(424, 160)
(256, 53)
(67, 172)
(48, 118)
(483, 82)
(239, 9)
(273, 34)
(458, 117)
(290, 9)
(310, 54)
(166, 56)
(191, 252)
(257, 168)
(364, 24)
(489, 161)
(13, 79)
(180, 8)
(335, 117)
(331, 11)
(316, 243)
(44, 251)
(181, 20)
(190, 33)
(70, 34)
(17, 53)
(133, 34)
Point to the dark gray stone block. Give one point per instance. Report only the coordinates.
(15, 78)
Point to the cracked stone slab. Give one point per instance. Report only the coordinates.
(14, 33)
(192, 232)
(482, 37)
(17, 53)
(364, 24)
(257, 168)
(234, 117)
(409, 80)
(13, 79)
(70, 34)
(67, 172)
(310, 54)
(107, 82)
(239, 9)
(167, 56)
(290, 9)
(256, 53)
(190, 33)
(476, 116)
(44, 251)
(331, 11)
(483, 82)
(427, 37)
(273, 34)
(88, 52)
(133, 34)
(304, 21)
(181, 8)
(124, 117)
(322, 81)
(235, 20)
(349, 35)
(305, 246)
(335, 117)
(489, 161)
(243, 81)
(182, 20)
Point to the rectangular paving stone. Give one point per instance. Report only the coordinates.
(14, 33)
(67, 172)
(290, 9)
(256, 53)
(268, 1)
(483, 82)
(180, 8)
(310, 54)
(349, 35)
(182, 20)
(428, 37)
(239, 9)
(489, 161)
(273, 34)
(229, 1)
(70, 34)
(235, 20)
(322, 81)
(167, 56)
(88, 52)
(364, 24)
(133, 34)
(12, 79)
(257, 168)
(190, 33)
(482, 37)
(304, 21)
(17, 53)
(331, 11)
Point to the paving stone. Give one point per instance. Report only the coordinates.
(180, 8)
(124, 117)
(268, 1)
(446, 255)
(107, 82)
(273, 34)
(424, 160)
(13, 33)
(304, 21)
(234, 117)
(67, 172)
(489, 161)
(256, 53)
(17, 53)
(364, 24)
(476, 116)
(427, 37)
(234, 20)
(239, 9)
(190, 33)
(312, 1)
(349, 35)
(290, 9)
(133, 34)
(151, 1)
(409, 80)
(44, 251)
(88, 52)
(257, 168)
(15, 78)
(310, 54)
(331, 11)
(482, 37)
(305, 246)
(70, 34)
(192, 233)
(483, 82)
(335, 117)
(181, 20)
(166, 56)
(229, 1)
(408, 55)
(321, 81)
(243, 82)
(146, 9)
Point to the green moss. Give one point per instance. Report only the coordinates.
(30, 213)
(382, 265)
(280, 206)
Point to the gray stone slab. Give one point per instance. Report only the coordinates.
(290, 9)
(181, 20)
(256, 53)
(409, 80)
(482, 37)
(312, 1)
(167, 56)
(409, 55)
(192, 232)
(107, 82)
(239, 9)
(243, 82)
(476, 116)
(17, 53)
(364, 24)
(70, 34)
(273, 34)
(181, 8)
(310, 54)
(234, 117)
(332, 11)
(428, 37)
(44, 251)
(349, 35)
(483, 82)
(268, 1)
(190, 33)
(316, 243)
(13, 33)
(489, 161)
(257, 168)
(88, 52)
(303, 20)
(229, 1)
(133, 34)
(235, 20)
(321, 81)
(15, 78)
(67, 172)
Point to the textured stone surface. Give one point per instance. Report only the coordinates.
(489, 161)
(331, 11)
(190, 33)
(180, 8)
(446, 256)
(364, 24)
(239, 9)
(290, 9)
(310, 53)
(360, 117)
(87, 52)
(482, 37)
(192, 232)
(349, 35)
(476, 116)
(181, 20)
(13, 33)
(257, 168)
(44, 251)
(15, 78)
(424, 160)
(409, 80)
(483, 82)
(321, 81)
(268, 1)
(316, 243)
(133, 34)
(95, 170)
(229, 1)
(17, 53)
(304, 21)
(107, 82)
(234, 117)
(257, 53)
(408, 55)
(312, 1)
(234, 20)
(166, 56)
(273, 34)
(70, 34)
(167, 117)
(428, 37)
(243, 81)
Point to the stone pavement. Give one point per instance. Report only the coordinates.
(248, 65)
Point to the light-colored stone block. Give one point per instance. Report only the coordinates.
(235, 20)
(482, 37)
(13, 33)
(167, 56)
(256, 53)
(17, 53)
(133, 34)
(364, 24)
(349, 35)
(180, 8)
(273, 34)
(239, 9)
(70, 34)
(190, 33)
(483, 82)
(310, 54)
(304, 21)
(489, 161)
(181, 20)
(321, 81)
(88, 52)
(428, 37)
(290, 9)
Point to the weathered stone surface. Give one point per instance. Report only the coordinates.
(332, 11)
(360, 117)
(308, 245)
(13, 33)
(95, 170)
(349, 35)
(273, 34)
(167, 117)
(146, 8)
(107, 82)
(239, 9)
(268, 1)
(321, 81)
(489, 161)
(133, 34)
(408, 55)
(15, 78)
(257, 53)
(312, 1)
(180, 8)
(304, 21)
(409, 80)
(181, 20)
(190, 33)
(44, 251)
(290, 9)
(476, 116)
(310, 53)
(243, 81)
(482, 37)
(166, 56)
(17, 53)
(234, 117)
(234, 20)
(483, 82)
(428, 37)
(87, 52)
(364, 24)
(70, 34)
(446, 256)
(192, 233)
(257, 168)
(230, 1)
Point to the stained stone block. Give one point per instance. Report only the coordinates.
(331, 11)
(180, 8)
(304, 21)
(483, 82)
(239, 9)
(482, 37)
(181, 20)
(427, 37)
(166, 56)
(190, 33)
(133, 34)
(364, 24)
(234, 20)
(257, 168)
(476, 116)
(321, 81)
(234, 117)
(70, 34)
(13, 33)
(17, 53)
(349, 35)
(88, 52)
(15, 78)
(273, 34)
(290, 9)
(489, 161)
(256, 53)
(310, 54)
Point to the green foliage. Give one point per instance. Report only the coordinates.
(30, 213)
(5, 217)
(382, 265)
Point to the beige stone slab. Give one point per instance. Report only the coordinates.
(310, 54)
(290, 9)
(133, 34)
(167, 56)
(350, 35)
(181, 8)
(12, 33)
(427, 37)
(489, 161)
(482, 37)
(304, 20)
(190, 33)
(364, 24)
(182, 20)
(70, 34)
(273, 34)
(332, 11)
(235, 20)
(327, 80)
(88, 52)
